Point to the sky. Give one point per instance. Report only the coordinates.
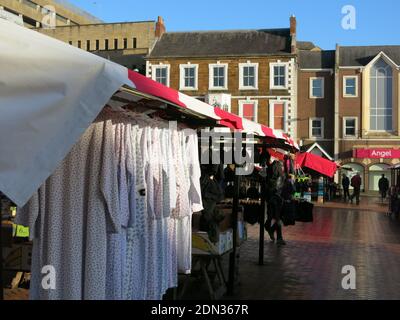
(320, 21)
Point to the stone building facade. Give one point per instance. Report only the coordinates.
(34, 12)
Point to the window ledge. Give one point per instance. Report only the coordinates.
(279, 88)
(218, 88)
(247, 88)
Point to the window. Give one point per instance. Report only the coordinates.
(248, 76)
(218, 76)
(350, 86)
(88, 45)
(115, 44)
(278, 115)
(62, 19)
(316, 128)
(278, 75)
(188, 76)
(125, 43)
(79, 44)
(31, 4)
(160, 73)
(381, 96)
(350, 127)
(97, 45)
(134, 43)
(316, 88)
(106, 45)
(248, 110)
(70, 42)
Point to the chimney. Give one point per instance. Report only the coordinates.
(293, 34)
(160, 27)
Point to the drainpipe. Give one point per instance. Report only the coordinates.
(337, 95)
(336, 113)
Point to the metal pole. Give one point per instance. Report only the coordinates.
(232, 257)
(262, 232)
(1, 252)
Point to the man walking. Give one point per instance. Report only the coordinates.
(383, 187)
(345, 185)
(356, 184)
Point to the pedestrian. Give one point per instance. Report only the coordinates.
(356, 184)
(383, 187)
(274, 222)
(345, 185)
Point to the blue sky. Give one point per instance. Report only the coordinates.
(320, 21)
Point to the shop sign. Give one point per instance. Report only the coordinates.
(377, 153)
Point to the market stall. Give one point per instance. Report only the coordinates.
(68, 113)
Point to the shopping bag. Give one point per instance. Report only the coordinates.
(288, 215)
(305, 212)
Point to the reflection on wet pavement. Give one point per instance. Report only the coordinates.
(310, 266)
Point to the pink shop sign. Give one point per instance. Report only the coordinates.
(378, 153)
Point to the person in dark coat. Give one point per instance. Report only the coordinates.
(346, 186)
(356, 184)
(383, 186)
(274, 224)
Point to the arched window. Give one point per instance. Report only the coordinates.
(381, 111)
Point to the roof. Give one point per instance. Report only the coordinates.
(362, 55)
(307, 45)
(223, 43)
(317, 59)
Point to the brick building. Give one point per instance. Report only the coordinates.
(349, 107)
(248, 72)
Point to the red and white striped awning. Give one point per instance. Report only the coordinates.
(51, 92)
(224, 118)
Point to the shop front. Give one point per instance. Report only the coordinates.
(371, 163)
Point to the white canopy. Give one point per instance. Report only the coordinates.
(42, 109)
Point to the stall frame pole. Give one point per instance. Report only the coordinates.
(232, 257)
(1, 252)
(262, 230)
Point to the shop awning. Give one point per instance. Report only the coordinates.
(50, 92)
(316, 163)
(223, 118)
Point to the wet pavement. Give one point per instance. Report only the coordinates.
(310, 265)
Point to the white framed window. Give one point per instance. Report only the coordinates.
(350, 127)
(188, 76)
(278, 75)
(278, 115)
(381, 97)
(316, 128)
(248, 76)
(317, 89)
(350, 87)
(248, 109)
(218, 76)
(160, 73)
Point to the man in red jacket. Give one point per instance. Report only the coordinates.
(356, 184)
